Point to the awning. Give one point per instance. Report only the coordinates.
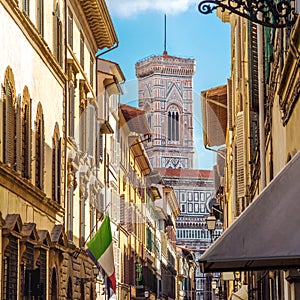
(266, 235)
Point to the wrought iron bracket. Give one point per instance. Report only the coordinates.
(269, 13)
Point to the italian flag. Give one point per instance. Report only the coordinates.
(100, 249)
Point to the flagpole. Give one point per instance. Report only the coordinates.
(100, 219)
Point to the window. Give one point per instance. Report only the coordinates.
(26, 135)
(190, 207)
(9, 128)
(202, 196)
(71, 109)
(196, 206)
(70, 28)
(39, 148)
(40, 16)
(173, 124)
(90, 130)
(70, 210)
(57, 47)
(10, 269)
(25, 6)
(99, 145)
(56, 165)
(196, 196)
(208, 195)
(182, 197)
(190, 196)
(91, 70)
(183, 208)
(81, 50)
(82, 201)
(202, 207)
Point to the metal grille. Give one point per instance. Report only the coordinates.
(10, 283)
(43, 271)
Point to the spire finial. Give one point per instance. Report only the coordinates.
(165, 36)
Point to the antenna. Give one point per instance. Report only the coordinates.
(165, 37)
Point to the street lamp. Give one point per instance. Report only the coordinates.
(211, 225)
(146, 294)
(80, 281)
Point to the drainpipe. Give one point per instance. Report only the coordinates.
(261, 102)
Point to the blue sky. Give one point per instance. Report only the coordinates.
(139, 25)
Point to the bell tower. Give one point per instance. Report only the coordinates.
(166, 94)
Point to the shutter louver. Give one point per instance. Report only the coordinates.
(19, 159)
(58, 171)
(229, 104)
(10, 126)
(254, 140)
(240, 138)
(71, 109)
(2, 124)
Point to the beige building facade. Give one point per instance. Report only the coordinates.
(262, 147)
(50, 177)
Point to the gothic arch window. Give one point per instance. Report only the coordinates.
(57, 34)
(54, 288)
(56, 165)
(26, 135)
(39, 148)
(173, 124)
(9, 120)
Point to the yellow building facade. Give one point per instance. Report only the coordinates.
(262, 151)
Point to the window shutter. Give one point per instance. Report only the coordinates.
(71, 109)
(99, 145)
(19, 160)
(58, 175)
(55, 24)
(254, 140)
(10, 126)
(40, 14)
(70, 28)
(240, 138)
(60, 45)
(229, 104)
(82, 130)
(2, 123)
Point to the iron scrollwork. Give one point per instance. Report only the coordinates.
(269, 13)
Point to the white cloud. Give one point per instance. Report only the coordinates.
(129, 8)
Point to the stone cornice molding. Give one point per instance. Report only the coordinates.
(35, 39)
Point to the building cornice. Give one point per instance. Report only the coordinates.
(35, 39)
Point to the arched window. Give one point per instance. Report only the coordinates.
(173, 124)
(26, 135)
(9, 125)
(39, 148)
(56, 165)
(57, 32)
